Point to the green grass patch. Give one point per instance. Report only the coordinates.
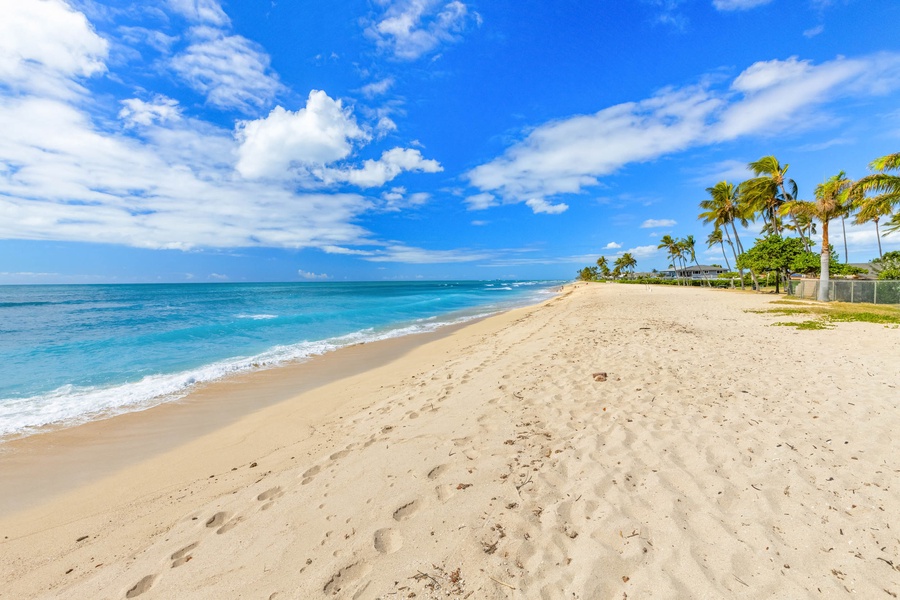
(816, 324)
(833, 312)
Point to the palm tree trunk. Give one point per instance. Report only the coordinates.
(725, 256)
(878, 235)
(737, 241)
(824, 264)
(844, 228)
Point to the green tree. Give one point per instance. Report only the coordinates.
(889, 265)
(772, 254)
(831, 201)
(625, 263)
(672, 249)
(588, 274)
(603, 266)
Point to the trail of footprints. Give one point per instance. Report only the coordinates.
(386, 540)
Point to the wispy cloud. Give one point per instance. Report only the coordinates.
(568, 155)
(658, 223)
(728, 5)
(232, 71)
(814, 31)
(308, 275)
(409, 29)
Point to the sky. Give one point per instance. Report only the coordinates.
(260, 140)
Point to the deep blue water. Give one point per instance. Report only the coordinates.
(71, 353)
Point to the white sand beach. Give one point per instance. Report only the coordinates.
(719, 457)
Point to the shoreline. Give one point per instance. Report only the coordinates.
(718, 457)
(36, 467)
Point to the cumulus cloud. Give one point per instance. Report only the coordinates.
(375, 173)
(566, 156)
(411, 28)
(45, 47)
(322, 132)
(397, 199)
(657, 223)
(738, 4)
(612, 246)
(642, 251)
(312, 276)
(232, 71)
(160, 109)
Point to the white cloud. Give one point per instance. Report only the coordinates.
(377, 88)
(411, 28)
(397, 199)
(738, 4)
(412, 255)
(568, 155)
(657, 223)
(320, 133)
(230, 70)
(727, 170)
(481, 201)
(480, 223)
(201, 11)
(642, 251)
(539, 205)
(765, 74)
(161, 109)
(46, 46)
(217, 277)
(814, 31)
(312, 276)
(612, 246)
(375, 173)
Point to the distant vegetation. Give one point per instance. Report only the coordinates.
(788, 224)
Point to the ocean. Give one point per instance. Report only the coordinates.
(74, 353)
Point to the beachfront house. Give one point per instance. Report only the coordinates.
(699, 272)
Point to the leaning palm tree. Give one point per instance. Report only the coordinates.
(831, 202)
(626, 263)
(716, 238)
(669, 243)
(722, 209)
(765, 193)
(688, 245)
(870, 209)
(603, 266)
(886, 190)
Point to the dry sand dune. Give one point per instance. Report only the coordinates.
(719, 458)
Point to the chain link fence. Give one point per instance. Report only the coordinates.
(850, 290)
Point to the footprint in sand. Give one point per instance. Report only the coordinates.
(407, 510)
(183, 555)
(228, 526)
(388, 541)
(339, 454)
(269, 494)
(140, 587)
(347, 576)
(217, 519)
(437, 471)
(309, 474)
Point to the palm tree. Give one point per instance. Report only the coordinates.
(831, 202)
(671, 246)
(687, 244)
(886, 189)
(626, 262)
(722, 209)
(716, 238)
(603, 266)
(765, 193)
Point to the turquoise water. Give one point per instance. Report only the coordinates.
(72, 353)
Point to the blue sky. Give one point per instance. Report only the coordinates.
(197, 140)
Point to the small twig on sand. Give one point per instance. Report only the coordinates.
(502, 583)
(741, 581)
